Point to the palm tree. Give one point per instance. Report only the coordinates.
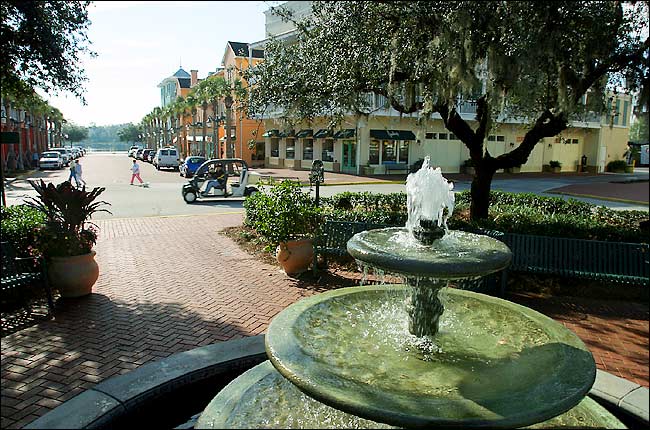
(214, 89)
(192, 102)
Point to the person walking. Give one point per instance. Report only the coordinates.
(78, 173)
(135, 170)
(73, 174)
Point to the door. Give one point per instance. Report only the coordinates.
(349, 164)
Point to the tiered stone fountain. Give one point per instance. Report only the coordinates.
(418, 354)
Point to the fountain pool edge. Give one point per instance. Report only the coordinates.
(98, 408)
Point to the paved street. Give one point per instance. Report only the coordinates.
(170, 281)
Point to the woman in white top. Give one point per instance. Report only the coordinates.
(135, 169)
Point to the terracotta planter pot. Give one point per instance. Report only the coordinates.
(295, 256)
(73, 276)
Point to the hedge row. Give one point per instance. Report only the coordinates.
(523, 213)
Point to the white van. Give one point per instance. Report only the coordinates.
(167, 157)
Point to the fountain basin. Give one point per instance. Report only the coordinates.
(262, 398)
(457, 255)
(492, 364)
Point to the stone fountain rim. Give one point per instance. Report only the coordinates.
(121, 395)
(279, 347)
(448, 268)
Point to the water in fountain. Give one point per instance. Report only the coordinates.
(488, 362)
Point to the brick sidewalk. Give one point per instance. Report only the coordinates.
(166, 288)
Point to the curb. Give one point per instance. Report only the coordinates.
(118, 398)
(589, 196)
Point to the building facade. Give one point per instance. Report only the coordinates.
(387, 142)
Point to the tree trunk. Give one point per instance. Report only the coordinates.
(480, 190)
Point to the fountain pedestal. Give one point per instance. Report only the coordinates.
(425, 307)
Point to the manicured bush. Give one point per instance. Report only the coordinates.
(616, 166)
(523, 213)
(554, 164)
(20, 226)
(282, 212)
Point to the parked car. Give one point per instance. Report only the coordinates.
(145, 154)
(190, 164)
(151, 156)
(50, 160)
(66, 154)
(132, 151)
(138, 154)
(167, 157)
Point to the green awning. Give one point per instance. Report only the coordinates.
(305, 133)
(323, 133)
(288, 133)
(271, 133)
(392, 134)
(344, 134)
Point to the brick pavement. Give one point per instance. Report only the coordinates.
(170, 284)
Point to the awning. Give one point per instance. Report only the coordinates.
(288, 133)
(322, 133)
(392, 134)
(344, 134)
(305, 133)
(271, 133)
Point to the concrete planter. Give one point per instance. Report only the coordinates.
(295, 256)
(73, 276)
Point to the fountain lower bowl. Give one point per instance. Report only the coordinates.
(262, 398)
(457, 255)
(493, 364)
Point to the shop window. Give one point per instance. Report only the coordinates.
(389, 151)
(291, 149)
(574, 141)
(431, 136)
(452, 136)
(403, 151)
(275, 147)
(373, 155)
(492, 138)
(328, 150)
(501, 138)
(308, 149)
(442, 136)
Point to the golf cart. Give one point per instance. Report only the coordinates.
(235, 183)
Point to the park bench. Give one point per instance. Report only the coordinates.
(615, 262)
(396, 166)
(23, 279)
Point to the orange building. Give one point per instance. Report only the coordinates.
(236, 59)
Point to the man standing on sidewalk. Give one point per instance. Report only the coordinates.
(78, 173)
(135, 170)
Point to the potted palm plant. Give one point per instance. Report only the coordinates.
(67, 239)
(555, 166)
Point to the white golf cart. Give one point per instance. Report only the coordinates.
(235, 184)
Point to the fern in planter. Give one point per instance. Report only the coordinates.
(554, 164)
(67, 231)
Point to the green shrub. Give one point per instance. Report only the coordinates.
(20, 226)
(616, 165)
(554, 164)
(282, 212)
(523, 213)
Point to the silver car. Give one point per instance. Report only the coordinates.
(50, 160)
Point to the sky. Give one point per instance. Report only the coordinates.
(140, 43)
